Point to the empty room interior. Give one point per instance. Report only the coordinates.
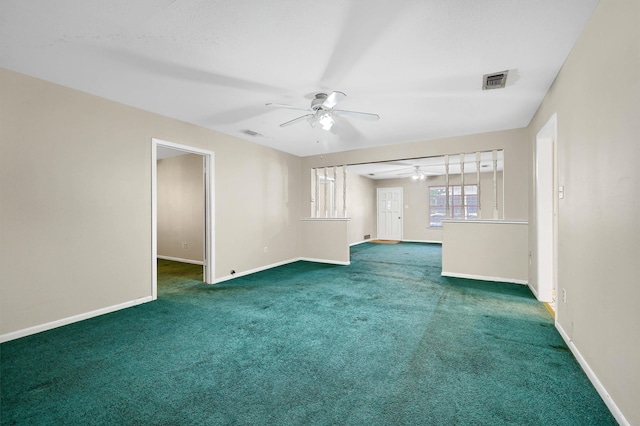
(320, 212)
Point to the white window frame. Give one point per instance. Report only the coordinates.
(465, 205)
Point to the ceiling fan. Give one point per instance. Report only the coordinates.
(322, 112)
(416, 174)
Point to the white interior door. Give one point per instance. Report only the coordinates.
(389, 213)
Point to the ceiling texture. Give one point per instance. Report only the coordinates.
(418, 64)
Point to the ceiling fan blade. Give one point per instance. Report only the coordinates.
(295, 120)
(355, 114)
(335, 128)
(333, 99)
(286, 106)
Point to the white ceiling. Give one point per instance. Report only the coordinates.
(216, 63)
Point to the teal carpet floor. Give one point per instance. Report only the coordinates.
(384, 341)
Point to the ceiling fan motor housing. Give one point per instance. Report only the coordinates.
(316, 104)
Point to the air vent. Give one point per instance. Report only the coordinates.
(251, 133)
(495, 80)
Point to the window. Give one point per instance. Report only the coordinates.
(458, 209)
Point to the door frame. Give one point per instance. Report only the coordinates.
(401, 219)
(209, 210)
(546, 211)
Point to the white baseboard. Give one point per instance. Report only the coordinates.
(483, 278)
(404, 241)
(331, 262)
(65, 321)
(178, 259)
(274, 265)
(615, 411)
(423, 241)
(534, 291)
(253, 271)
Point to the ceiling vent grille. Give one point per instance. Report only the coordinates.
(251, 133)
(496, 80)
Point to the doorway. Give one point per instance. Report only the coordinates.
(208, 184)
(389, 201)
(546, 213)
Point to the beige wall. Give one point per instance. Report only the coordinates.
(181, 207)
(517, 158)
(494, 251)
(361, 202)
(75, 213)
(325, 240)
(415, 220)
(361, 208)
(597, 100)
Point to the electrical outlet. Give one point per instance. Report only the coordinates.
(564, 295)
(185, 245)
(266, 249)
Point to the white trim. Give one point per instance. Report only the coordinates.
(275, 265)
(253, 271)
(545, 209)
(210, 215)
(178, 259)
(404, 241)
(209, 249)
(325, 219)
(154, 219)
(534, 291)
(483, 278)
(422, 241)
(331, 262)
(602, 391)
(69, 320)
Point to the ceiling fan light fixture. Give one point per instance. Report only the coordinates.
(419, 176)
(326, 121)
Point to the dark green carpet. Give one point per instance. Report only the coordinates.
(383, 341)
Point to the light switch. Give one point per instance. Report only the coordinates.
(561, 191)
